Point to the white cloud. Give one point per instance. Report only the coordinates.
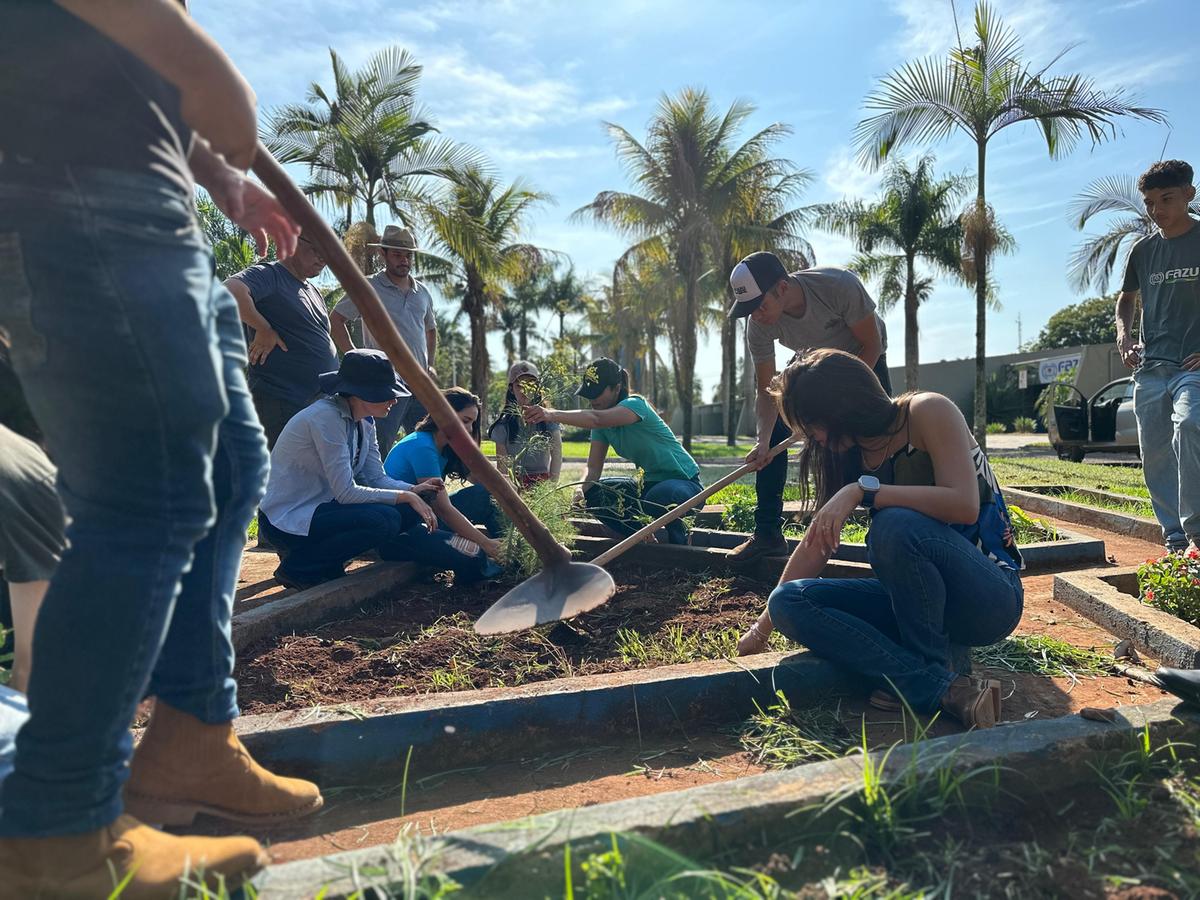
(1044, 26)
(846, 178)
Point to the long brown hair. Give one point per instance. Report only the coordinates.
(459, 399)
(836, 391)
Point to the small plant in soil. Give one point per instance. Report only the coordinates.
(1172, 583)
(1029, 530)
(551, 504)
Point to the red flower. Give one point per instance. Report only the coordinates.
(1149, 595)
(1193, 553)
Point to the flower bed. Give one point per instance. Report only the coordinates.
(1172, 583)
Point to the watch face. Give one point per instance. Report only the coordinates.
(868, 483)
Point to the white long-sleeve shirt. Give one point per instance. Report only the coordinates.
(323, 455)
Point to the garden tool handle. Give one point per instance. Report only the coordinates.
(683, 508)
(272, 174)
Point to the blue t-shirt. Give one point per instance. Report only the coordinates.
(414, 458)
(296, 311)
(649, 444)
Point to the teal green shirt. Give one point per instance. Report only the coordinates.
(649, 444)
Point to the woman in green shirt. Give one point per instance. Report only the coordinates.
(627, 422)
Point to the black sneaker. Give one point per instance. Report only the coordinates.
(760, 543)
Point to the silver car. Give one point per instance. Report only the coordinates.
(1103, 423)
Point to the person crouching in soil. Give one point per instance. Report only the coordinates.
(328, 498)
(627, 422)
(940, 541)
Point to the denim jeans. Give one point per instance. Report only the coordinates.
(770, 480)
(475, 502)
(1166, 400)
(340, 532)
(617, 504)
(932, 588)
(131, 355)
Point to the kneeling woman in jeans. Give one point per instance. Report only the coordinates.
(627, 422)
(940, 541)
(328, 498)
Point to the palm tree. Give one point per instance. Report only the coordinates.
(980, 90)
(914, 218)
(368, 142)
(231, 246)
(475, 222)
(687, 175)
(1093, 261)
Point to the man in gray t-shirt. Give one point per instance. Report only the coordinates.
(1164, 268)
(814, 308)
(410, 306)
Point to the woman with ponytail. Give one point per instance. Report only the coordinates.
(626, 421)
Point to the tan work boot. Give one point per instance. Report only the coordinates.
(183, 767)
(87, 866)
(974, 702)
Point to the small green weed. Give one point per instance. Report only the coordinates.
(1042, 655)
(1028, 530)
(781, 737)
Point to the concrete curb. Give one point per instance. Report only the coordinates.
(304, 609)
(1109, 598)
(451, 730)
(1134, 526)
(523, 858)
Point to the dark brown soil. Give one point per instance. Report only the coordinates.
(421, 641)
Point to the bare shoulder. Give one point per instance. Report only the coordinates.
(936, 415)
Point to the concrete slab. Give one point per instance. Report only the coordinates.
(304, 609)
(1109, 520)
(1109, 597)
(524, 858)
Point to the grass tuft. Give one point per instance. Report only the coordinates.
(780, 736)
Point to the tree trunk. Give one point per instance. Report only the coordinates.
(687, 354)
(653, 338)
(912, 345)
(476, 310)
(748, 422)
(523, 336)
(729, 373)
(981, 264)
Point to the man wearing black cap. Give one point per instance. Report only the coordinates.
(824, 306)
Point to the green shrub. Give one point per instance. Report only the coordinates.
(996, 428)
(551, 503)
(1024, 425)
(1172, 584)
(739, 512)
(1028, 530)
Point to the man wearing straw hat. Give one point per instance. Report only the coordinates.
(410, 306)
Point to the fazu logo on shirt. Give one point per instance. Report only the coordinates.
(1174, 276)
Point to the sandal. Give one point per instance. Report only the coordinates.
(971, 702)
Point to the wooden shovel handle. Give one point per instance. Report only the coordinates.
(687, 505)
(549, 551)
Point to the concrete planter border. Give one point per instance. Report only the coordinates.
(1031, 499)
(523, 858)
(1109, 597)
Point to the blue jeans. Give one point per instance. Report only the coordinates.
(932, 588)
(1166, 400)
(617, 504)
(340, 532)
(771, 479)
(131, 355)
(475, 502)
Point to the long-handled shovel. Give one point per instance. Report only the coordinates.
(503, 617)
(563, 588)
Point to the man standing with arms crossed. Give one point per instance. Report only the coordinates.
(1164, 267)
(819, 307)
(410, 305)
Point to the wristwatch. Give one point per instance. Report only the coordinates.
(869, 485)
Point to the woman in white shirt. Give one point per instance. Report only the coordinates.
(328, 498)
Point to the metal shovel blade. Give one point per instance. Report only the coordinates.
(557, 592)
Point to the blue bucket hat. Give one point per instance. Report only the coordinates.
(366, 374)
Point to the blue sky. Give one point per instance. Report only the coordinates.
(530, 82)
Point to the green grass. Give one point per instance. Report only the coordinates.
(1127, 507)
(781, 737)
(1041, 655)
(1046, 470)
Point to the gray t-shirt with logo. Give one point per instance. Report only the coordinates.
(530, 452)
(836, 299)
(1167, 272)
(411, 311)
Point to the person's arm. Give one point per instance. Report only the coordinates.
(866, 332)
(215, 100)
(431, 346)
(247, 203)
(329, 441)
(1127, 345)
(556, 453)
(266, 338)
(766, 411)
(597, 454)
(461, 525)
(613, 417)
(340, 333)
(806, 561)
(500, 435)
